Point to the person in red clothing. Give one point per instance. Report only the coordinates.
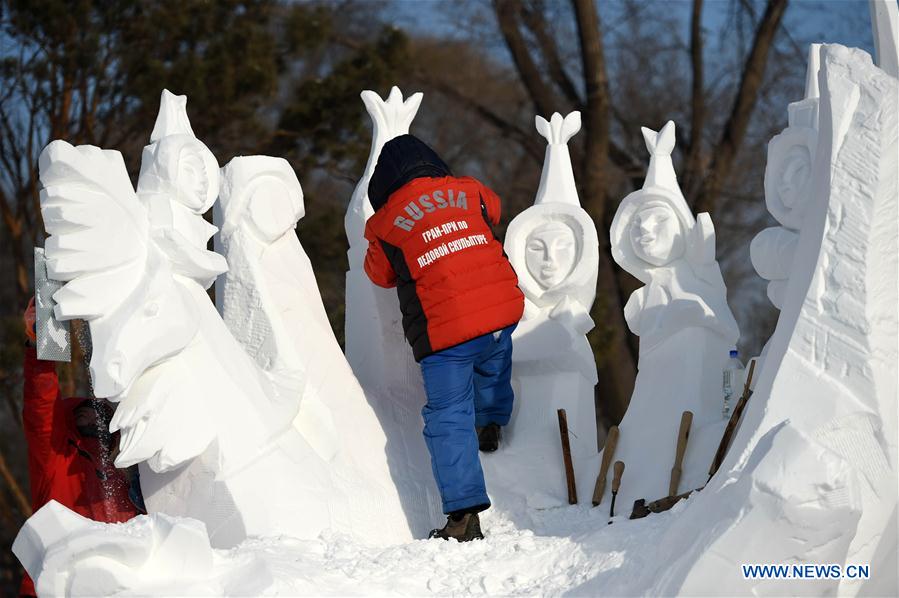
(432, 238)
(70, 450)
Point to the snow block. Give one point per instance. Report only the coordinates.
(67, 554)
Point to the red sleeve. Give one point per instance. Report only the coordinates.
(377, 266)
(45, 430)
(492, 203)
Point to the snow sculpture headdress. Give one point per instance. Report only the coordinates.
(791, 154)
(176, 162)
(265, 190)
(390, 118)
(178, 182)
(659, 189)
(557, 203)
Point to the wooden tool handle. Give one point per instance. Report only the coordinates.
(619, 471)
(683, 434)
(566, 456)
(732, 423)
(607, 453)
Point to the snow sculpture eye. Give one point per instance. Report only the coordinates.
(551, 253)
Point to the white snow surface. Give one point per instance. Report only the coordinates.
(526, 552)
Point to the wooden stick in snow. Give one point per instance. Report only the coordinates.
(683, 434)
(566, 456)
(607, 453)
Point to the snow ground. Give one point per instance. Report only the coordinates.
(567, 550)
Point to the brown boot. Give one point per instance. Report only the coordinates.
(464, 528)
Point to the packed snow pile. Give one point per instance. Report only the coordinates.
(263, 494)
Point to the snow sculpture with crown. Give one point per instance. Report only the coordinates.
(391, 378)
(788, 183)
(270, 301)
(685, 326)
(211, 430)
(373, 316)
(553, 247)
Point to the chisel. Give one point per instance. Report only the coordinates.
(618, 470)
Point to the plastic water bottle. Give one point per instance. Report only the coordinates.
(733, 382)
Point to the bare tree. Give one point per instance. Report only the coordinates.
(605, 163)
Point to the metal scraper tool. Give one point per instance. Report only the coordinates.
(54, 338)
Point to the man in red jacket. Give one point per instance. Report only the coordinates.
(70, 450)
(431, 237)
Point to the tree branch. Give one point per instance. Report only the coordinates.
(529, 142)
(697, 105)
(744, 103)
(596, 119)
(507, 13)
(537, 25)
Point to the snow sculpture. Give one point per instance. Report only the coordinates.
(211, 431)
(685, 327)
(813, 468)
(788, 183)
(178, 182)
(373, 316)
(885, 25)
(376, 348)
(270, 301)
(554, 249)
(261, 201)
(71, 555)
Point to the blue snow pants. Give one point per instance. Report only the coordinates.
(467, 385)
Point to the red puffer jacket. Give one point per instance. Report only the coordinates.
(63, 465)
(433, 240)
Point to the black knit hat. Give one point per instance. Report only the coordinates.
(402, 159)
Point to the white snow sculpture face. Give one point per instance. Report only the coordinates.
(193, 182)
(655, 234)
(551, 253)
(182, 167)
(793, 175)
(196, 179)
(273, 208)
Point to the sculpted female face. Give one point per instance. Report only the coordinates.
(550, 253)
(655, 234)
(793, 174)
